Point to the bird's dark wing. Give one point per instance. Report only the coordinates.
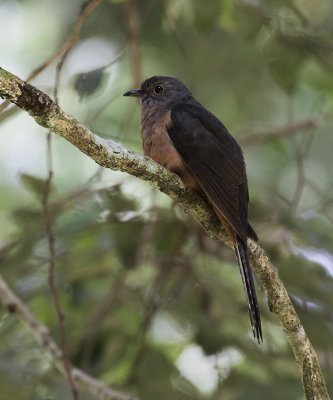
(215, 159)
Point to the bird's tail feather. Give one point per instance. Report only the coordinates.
(250, 291)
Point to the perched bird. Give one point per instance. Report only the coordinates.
(183, 136)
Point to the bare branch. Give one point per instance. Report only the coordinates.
(283, 131)
(51, 243)
(83, 381)
(112, 155)
(134, 37)
(86, 10)
(53, 289)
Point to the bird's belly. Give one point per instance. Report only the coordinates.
(158, 146)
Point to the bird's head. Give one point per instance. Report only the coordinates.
(160, 91)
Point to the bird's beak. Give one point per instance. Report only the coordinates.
(133, 93)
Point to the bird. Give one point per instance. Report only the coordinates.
(180, 134)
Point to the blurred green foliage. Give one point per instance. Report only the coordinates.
(153, 306)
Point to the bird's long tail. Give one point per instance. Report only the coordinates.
(248, 283)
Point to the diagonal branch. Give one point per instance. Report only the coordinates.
(281, 131)
(110, 154)
(86, 9)
(82, 380)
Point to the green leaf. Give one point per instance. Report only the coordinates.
(34, 184)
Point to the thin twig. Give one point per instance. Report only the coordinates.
(284, 131)
(86, 10)
(42, 336)
(51, 243)
(53, 289)
(301, 180)
(134, 33)
(153, 303)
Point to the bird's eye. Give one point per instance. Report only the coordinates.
(159, 89)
